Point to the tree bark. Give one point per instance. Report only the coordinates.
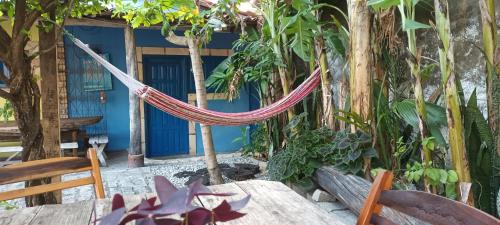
(50, 95)
(24, 93)
(361, 67)
(136, 157)
(201, 100)
(193, 44)
(455, 123)
(326, 86)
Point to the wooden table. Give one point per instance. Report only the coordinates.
(271, 203)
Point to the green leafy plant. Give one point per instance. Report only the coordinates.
(6, 111)
(484, 162)
(243, 139)
(259, 142)
(7, 206)
(438, 178)
(307, 150)
(347, 150)
(301, 156)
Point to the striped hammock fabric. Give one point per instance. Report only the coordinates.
(189, 112)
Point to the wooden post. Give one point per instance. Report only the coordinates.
(50, 96)
(135, 156)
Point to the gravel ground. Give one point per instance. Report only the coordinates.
(171, 167)
(118, 178)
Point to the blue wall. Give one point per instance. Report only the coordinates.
(111, 41)
(224, 136)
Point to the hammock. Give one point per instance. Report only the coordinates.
(189, 112)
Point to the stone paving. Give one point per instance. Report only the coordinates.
(118, 178)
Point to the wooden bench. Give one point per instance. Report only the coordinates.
(427, 207)
(99, 142)
(48, 168)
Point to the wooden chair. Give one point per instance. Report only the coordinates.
(427, 207)
(49, 168)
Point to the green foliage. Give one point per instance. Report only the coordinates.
(307, 150)
(436, 117)
(252, 62)
(6, 111)
(259, 142)
(347, 151)
(438, 178)
(484, 162)
(7, 206)
(78, 9)
(243, 139)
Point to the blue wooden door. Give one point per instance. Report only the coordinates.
(166, 134)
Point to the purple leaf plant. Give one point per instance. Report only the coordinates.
(173, 201)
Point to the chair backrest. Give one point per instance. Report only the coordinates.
(48, 168)
(427, 207)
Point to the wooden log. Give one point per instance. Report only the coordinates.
(352, 191)
(135, 119)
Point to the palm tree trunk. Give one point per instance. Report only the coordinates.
(455, 123)
(361, 67)
(201, 99)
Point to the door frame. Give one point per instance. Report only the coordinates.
(142, 52)
(182, 61)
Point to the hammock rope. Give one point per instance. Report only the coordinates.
(189, 112)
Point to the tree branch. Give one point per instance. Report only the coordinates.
(177, 40)
(59, 32)
(19, 19)
(31, 19)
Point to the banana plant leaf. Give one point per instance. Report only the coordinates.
(436, 117)
(484, 162)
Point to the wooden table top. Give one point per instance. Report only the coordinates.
(271, 203)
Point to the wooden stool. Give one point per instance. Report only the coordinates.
(99, 143)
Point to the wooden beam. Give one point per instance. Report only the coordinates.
(50, 95)
(95, 22)
(136, 156)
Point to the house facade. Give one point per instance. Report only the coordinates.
(161, 65)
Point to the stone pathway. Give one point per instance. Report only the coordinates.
(118, 178)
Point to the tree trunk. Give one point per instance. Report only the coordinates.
(50, 95)
(24, 93)
(455, 123)
(201, 99)
(26, 105)
(326, 86)
(360, 63)
(136, 157)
